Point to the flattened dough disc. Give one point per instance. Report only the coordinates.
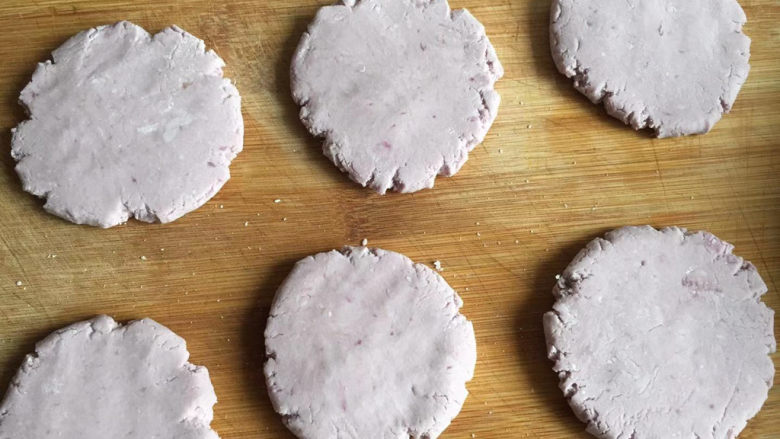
(124, 124)
(661, 334)
(401, 90)
(363, 343)
(674, 66)
(98, 379)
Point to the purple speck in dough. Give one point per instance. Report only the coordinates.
(661, 334)
(116, 105)
(674, 66)
(365, 67)
(391, 363)
(98, 379)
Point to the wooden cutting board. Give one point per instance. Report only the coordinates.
(553, 173)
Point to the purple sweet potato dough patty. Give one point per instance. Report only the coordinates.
(124, 124)
(98, 379)
(401, 90)
(364, 343)
(674, 66)
(661, 334)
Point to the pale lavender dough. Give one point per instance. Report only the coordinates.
(124, 124)
(364, 343)
(401, 90)
(674, 66)
(661, 334)
(98, 380)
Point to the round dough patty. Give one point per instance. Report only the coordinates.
(661, 334)
(674, 66)
(123, 124)
(401, 90)
(363, 343)
(98, 379)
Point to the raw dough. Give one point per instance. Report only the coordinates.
(125, 124)
(364, 343)
(671, 65)
(401, 90)
(661, 334)
(98, 379)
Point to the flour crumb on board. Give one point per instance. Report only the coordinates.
(437, 265)
(278, 200)
(364, 242)
(221, 206)
(284, 219)
(143, 258)
(18, 283)
(246, 223)
(529, 126)
(51, 256)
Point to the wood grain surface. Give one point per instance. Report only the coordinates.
(553, 173)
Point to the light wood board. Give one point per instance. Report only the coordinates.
(553, 173)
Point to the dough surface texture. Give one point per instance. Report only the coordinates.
(98, 379)
(673, 66)
(364, 343)
(124, 124)
(401, 90)
(661, 334)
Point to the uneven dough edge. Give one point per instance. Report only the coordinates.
(351, 253)
(102, 324)
(330, 145)
(146, 214)
(567, 285)
(567, 65)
